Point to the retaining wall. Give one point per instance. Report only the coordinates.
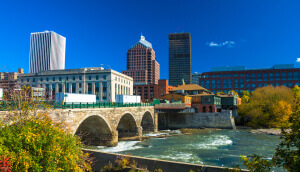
(223, 120)
(102, 158)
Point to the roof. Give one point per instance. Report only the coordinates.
(143, 42)
(203, 94)
(189, 87)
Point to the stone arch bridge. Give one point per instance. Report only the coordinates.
(104, 126)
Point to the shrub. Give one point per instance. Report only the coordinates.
(35, 143)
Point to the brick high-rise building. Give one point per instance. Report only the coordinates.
(180, 58)
(141, 63)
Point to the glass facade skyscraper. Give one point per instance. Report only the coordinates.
(180, 58)
(47, 51)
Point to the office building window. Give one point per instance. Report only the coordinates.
(265, 77)
(224, 75)
(104, 91)
(218, 83)
(259, 77)
(97, 90)
(60, 88)
(271, 76)
(283, 75)
(277, 76)
(202, 84)
(207, 84)
(33, 80)
(224, 83)
(297, 83)
(53, 78)
(73, 87)
(284, 84)
(27, 80)
(104, 77)
(236, 83)
(242, 74)
(265, 84)
(296, 75)
(47, 79)
(273, 84)
(41, 79)
(67, 88)
(230, 75)
(229, 83)
(79, 85)
(59, 78)
(73, 78)
(277, 84)
(213, 84)
(290, 75)
(253, 77)
(235, 75)
(89, 85)
(290, 84)
(97, 77)
(259, 85)
(80, 78)
(241, 83)
(253, 85)
(90, 77)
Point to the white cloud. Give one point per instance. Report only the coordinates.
(228, 44)
(298, 60)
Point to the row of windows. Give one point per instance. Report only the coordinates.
(261, 76)
(253, 86)
(238, 83)
(72, 78)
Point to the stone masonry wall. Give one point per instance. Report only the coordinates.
(223, 120)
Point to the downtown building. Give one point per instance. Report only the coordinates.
(180, 58)
(47, 51)
(104, 83)
(149, 92)
(238, 78)
(141, 63)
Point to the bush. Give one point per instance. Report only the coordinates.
(35, 143)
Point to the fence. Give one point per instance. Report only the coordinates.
(57, 105)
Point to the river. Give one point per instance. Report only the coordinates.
(210, 147)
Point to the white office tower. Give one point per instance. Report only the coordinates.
(47, 51)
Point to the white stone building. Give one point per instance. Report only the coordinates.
(105, 83)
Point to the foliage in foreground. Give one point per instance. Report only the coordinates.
(35, 143)
(287, 154)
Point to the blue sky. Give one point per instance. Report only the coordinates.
(253, 33)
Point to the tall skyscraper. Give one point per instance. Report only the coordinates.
(47, 51)
(180, 58)
(141, 63)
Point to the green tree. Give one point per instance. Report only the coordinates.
(288, 151)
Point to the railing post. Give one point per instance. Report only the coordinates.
(87, 105)
(72, 105)
(80, 105)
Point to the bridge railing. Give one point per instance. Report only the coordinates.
(56, 105)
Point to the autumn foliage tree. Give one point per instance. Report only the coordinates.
(268, 107)
(34, 142)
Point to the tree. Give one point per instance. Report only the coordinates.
(245, 96)
(288, 151)
(268, 107)
(33, 142)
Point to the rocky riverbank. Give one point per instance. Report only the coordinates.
(269, 131)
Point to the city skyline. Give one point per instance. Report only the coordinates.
(252, 33)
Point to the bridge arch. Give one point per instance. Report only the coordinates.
(147, 121)
(94, 130)
(127, 126)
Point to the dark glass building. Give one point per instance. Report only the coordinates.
(180, 58)
(238, 78)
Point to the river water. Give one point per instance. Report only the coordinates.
(210, 147)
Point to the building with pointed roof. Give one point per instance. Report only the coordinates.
(141, 63)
